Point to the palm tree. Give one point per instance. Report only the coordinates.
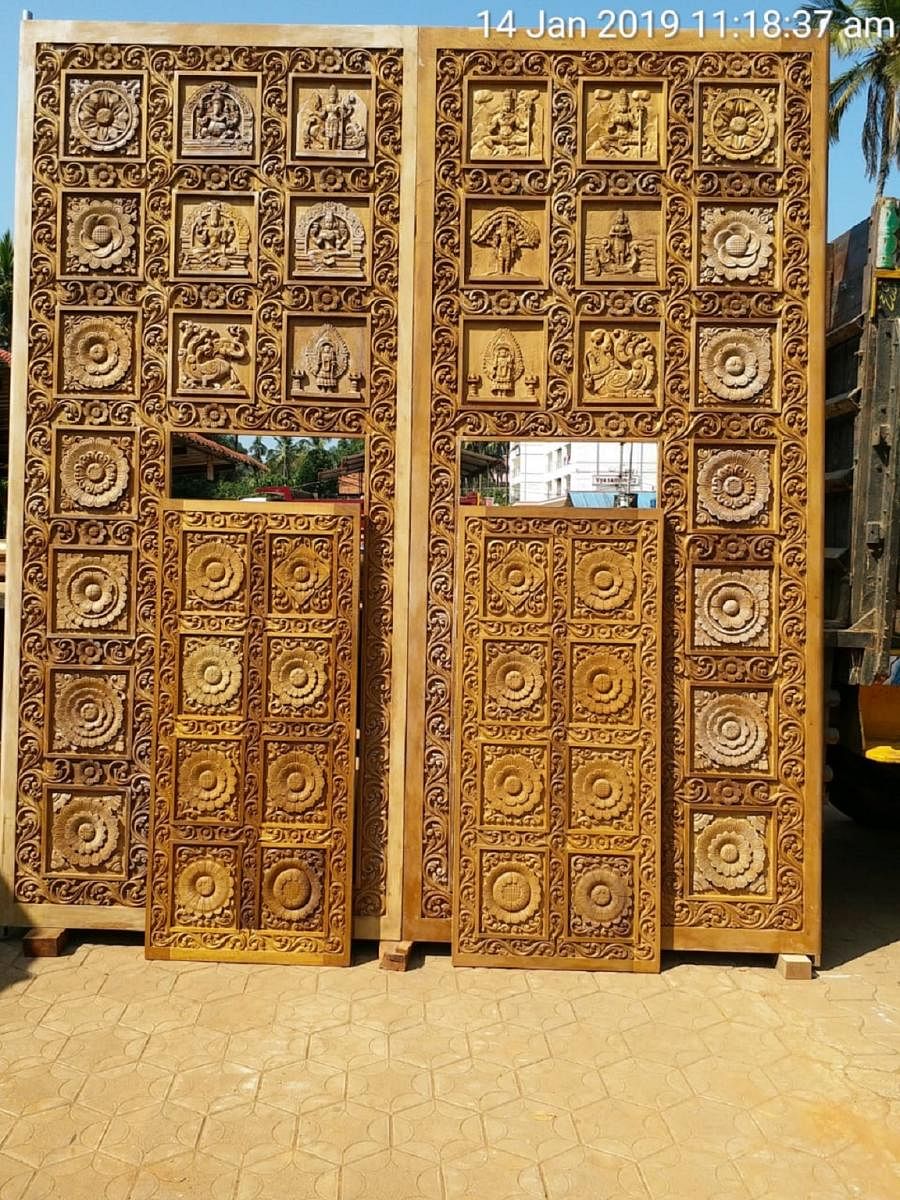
(868, 31)
(259, 449)
(6, 290)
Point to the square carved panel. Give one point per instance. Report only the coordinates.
(206, 884)
(513, 887)
(101, 234)
(514, 785)
(329, 237)
(89, 711)
(506, 242)
(517, 579)
(507, 120)
(212, 354)
(98, 352)
(212, 677)
(214, 236)
(730, 854)
(502, 362)
(740, 126)
(515, 682)
(331, 117)
(104, 116)
(603, 789)
(209, 775)
(732, 731)
(327, 359)
(620, 363)
(604, 583)
(294, 891)
(214, 573)
(217, 117)
(601, 897)
(297, 782)
(738, 245)
(94, 472)
(300, 678)
(732, 607)
(623, 121)
(736, 366)
(301, 574)
(620, 243)
(91, 592)
(733, 487)
(86, 832)
(603, 685)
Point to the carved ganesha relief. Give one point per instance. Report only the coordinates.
(217, 117)
(104, 117)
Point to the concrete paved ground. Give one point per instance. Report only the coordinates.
(127, 1080)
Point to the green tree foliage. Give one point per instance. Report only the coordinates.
(868, 33)
(6, 290)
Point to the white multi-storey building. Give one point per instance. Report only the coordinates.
(542, 472)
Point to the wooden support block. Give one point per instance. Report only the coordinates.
(44, 943)
(394, 956)
(795, 966)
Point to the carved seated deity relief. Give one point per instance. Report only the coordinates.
(328, 359)
(218, 118)
(503, 363)
(330, 238)
(213, 354)
(620, 364)
(623, 122)
(507, 121)
(215, 235)
(620, 243)
(506, 241)
(331, 121)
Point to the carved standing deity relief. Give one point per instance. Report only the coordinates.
(209, 356)
(505, 233)
(513, 784)
(729, 853)
(208, 780)
(204, 886)
(505, 372)
(736, 244)
(97, 352)
(621, 244)
(739, 126)
(89, 712)
(731, 730)
(621, 364)
(602, 895)
(736, 364)
(92, 592)
(94, 473)
(214, 239)
(507, 122)
(103, 117)
(292, 891)
(731, 606)
(622, 123)
(733, 486)
(217, 121)
(87, 832)
(329, 240)
(100, 235)
(512, 896)
(332, 122)
(328, 368)
(212, 674)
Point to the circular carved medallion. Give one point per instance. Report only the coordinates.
(94, 473)
(104, 116)
(302, 573)
(514, 680)
(732, 609)
(212, 675)
(603, 683)
(735, 363)
(730, 853)
(204, 887)
(740, 124)
(291, 890)
(733, 485)
(89, 712)
(85, 831)
(515, 577)
(731, 729)
(296, 781)
(736, 244)
(604, 580)
(215, 571)
(90, 594)
(601, 790)
(299, 677)
(512, 893)
(101, 234)
(512, 785)
(207, 780)
(600, 895)
(96, 352)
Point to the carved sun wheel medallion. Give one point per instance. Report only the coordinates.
(204, 889)
(733, 486)
(512, 895)
(739, 126)
(104, 117)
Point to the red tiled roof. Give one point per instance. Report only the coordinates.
(215, 448)
(6, 357)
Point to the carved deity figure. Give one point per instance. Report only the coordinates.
(326, 364)
(618, 252)
(329, 239)
(333, 123)
(217, 118)
(620, 363)
(207, 355)
(507, 233)
(621, 124)
(508, 124)
(215, 238)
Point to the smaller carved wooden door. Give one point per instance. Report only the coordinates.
(556, 707)
(252, 827)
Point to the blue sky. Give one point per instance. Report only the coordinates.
(850, 194)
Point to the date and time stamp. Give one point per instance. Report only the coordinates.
(625, 23)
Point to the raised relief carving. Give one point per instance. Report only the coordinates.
(89, 712)
(332, 122)
(92, 592)
(603, 580)
(297, 782)
(602, 788)
(503, 364)
(621, 244)
(330, 361)
(512, 896)
(507, 122)
(735, 364)
(103, 117)
(739, 126)
(87, 832)
(729, 853)
(214, 238)
(731, 730)
(602, 683)
(602, 895)
(94, 473)
(97, 352)
(214, 573)
(217, 121)
(205, 886)
(330, 240)
(513, 785)
(505, 234)
(517, 578)
(301, 570)
(100, 235)
(292, 891)
(733, 486)
(622, 123)
(731, 606)
(620, 364)
(208, 775)
(213, 355)
(736, 244)
(298, 678)
(515, 681)
(212, 675)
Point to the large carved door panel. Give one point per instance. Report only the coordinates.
(252, 830)
(556, 815)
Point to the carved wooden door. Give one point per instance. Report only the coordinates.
(256, 733)
(556, 701)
